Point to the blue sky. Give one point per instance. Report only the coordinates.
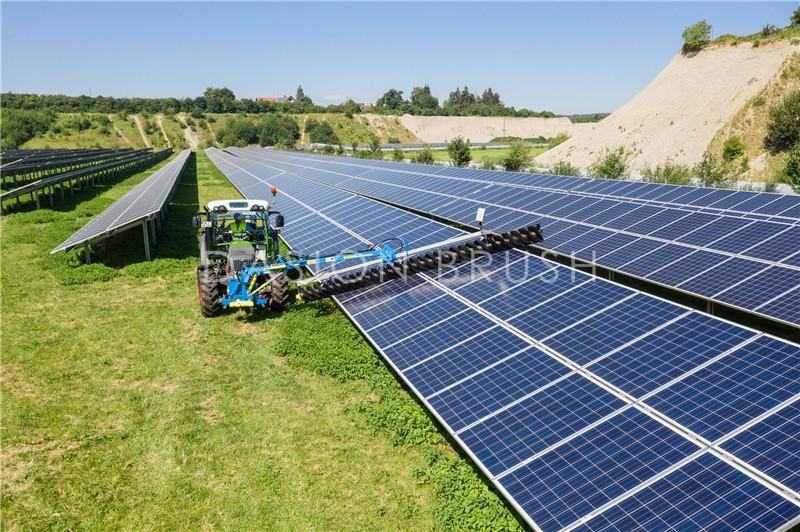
(564, 57)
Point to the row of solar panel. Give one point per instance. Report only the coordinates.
(758, 205)
(755, 285)
(533, 367)
(143, 201)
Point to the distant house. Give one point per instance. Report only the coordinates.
(274, 99)
(366, 106)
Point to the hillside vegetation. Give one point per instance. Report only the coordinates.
(749, 124)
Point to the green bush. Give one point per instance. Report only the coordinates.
(669, 172)
(732, 149)
(791, 172)
(489, 164)
(565, 168)
(696, 36)
(783, 129)
(321, 132)
(768, 30)
(398, 155)
(425, 156)
(711, 174)
(278, 129)
(518, 158)
(613, 164)
(19, 126)
(795, 20)
(458, 149)
(393, 140)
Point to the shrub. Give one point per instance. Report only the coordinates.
(696, 36)
(278, 129)
(711, 174)
(558, 139)
(375, 147)
(732, 149)
(518, 157)
(791, 173)
(565, 168)
(238, 132)
(613, 164)
(783, 129)
(795, 20)
(398, 155)
(489, 164)
(393, 140)
(458, 149)
(328, 149)
(321, 132)
(758, 101)
(340, 150)
(768, 30)
(425, 156)
(669, 172)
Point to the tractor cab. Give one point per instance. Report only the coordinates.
(241, 230)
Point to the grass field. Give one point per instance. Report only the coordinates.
(63, 134)
(124, 409)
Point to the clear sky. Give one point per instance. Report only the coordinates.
(563, 57)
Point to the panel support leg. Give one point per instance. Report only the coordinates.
(87, 254)
(153, 230)
(146, 241)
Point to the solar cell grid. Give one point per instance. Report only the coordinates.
(705, 494)
(733, 390)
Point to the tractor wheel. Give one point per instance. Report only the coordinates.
(279, 291)
(209, 289)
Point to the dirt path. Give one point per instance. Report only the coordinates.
(119, 131)
(160, 122)
(303, 130)
(138, 121)
(188, 134)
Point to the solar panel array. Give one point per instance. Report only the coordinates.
(747, 259)
(147, 199)
(588, 404)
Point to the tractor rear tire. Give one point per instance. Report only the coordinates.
(209, 290)
(279, 291)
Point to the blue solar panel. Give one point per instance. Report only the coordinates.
(772, 446)
(748, 236)
(705, 494)
(686, 268)
(768, 285)
(668, 353)
(722, 276)
(583, 474)
(734, 389)
(620, 324)
(779, 247)
(785, 307)
(651, 262)
(496, 386)
(533, 424)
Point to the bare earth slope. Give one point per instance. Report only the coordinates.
(485, 128)
(677, 114)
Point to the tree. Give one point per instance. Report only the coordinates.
(422, 101)
(398, 155)
(278, 130)
(796, 17)
(518, 157)
(321, 132)
(613, 164)
(696, 36)
(783, 129)
(425, 156)
(391, 100)
(792, 171)
(20, 125)
(238, 131)
(458, 149)
(375, 148)
(219, 100)
(300, 96)
(490, 98)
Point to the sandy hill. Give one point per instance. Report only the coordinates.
(680, 111)
(484, 129)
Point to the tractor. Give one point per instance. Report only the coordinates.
(241, 265)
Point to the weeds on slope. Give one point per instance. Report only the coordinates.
(318, 338)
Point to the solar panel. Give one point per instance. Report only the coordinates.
(523, 361)
(648, 237)
(145, 200)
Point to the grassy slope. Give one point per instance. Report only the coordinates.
(750, 123)
(122, 408)
(128, 128)
(479, 155)
(94, 137)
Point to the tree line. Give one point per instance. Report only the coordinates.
(461, 102)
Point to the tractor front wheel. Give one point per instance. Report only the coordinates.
(279, 291)
(209, 289)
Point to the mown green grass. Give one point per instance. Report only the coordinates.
(480, 155)
(124, 409)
